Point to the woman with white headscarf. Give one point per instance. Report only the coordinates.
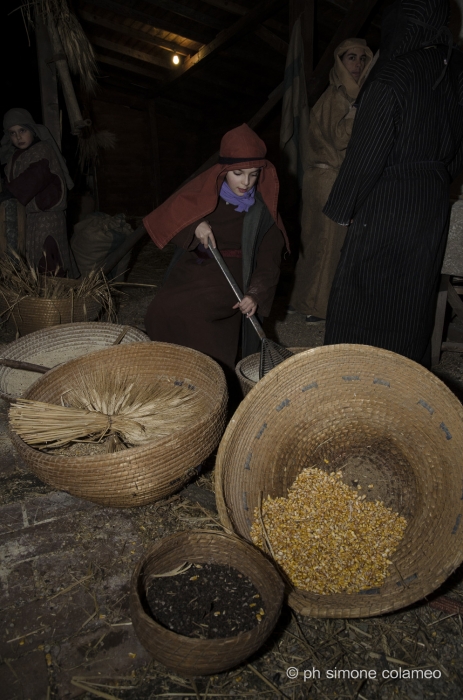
(330, 128)
(37, 176)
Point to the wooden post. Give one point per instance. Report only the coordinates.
(306, 10)
(155, 154)
(59, 57)
(48, 81)
(307, 28)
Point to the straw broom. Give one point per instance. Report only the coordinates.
(100, 405)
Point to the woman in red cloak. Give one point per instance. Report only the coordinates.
(233, 206)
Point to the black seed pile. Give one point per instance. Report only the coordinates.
(207, 601)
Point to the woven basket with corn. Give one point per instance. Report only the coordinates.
(327, 538)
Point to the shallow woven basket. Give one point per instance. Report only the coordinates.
(382, 419)
(199, 657)
(52, 346)
(141, 474)
(247, 370)
(33, 313)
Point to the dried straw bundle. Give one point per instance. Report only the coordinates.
(102, 405)
(78, 49)
(19, 279)
(91, 145)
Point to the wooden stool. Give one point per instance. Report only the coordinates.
(450, 288)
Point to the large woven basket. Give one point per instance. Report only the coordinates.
(199, 657)
(53, 346)
(247, 370)
(141, 474)
(382, 419)
(29, 314)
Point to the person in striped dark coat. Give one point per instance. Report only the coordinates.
(393, 187)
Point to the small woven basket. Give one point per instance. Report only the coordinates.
(29, 314)
(198, 657)
(247, 370)
(380, 418)
(143, 474)
(52, 346)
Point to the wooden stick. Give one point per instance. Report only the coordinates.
(121, 335)
(74, 113)
(28, 366)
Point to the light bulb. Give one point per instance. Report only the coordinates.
(175, 59)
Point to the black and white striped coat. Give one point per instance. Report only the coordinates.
(406, 147)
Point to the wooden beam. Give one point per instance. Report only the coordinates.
(266, 108)
(48, 80)
(308, 34)
(272, 39)
(263, 31)
(92, 18)
(124, 65)
(185, 11)
(192, 33)
(350, 26)
(155, 154)
(75, 115)
(231, 86)
(243, 26)
(236, 9)
(133, 53)
(305, 9)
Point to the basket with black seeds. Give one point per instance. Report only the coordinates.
(202, 602)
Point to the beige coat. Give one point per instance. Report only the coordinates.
(330, 128)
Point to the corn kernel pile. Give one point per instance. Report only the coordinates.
(326, 537)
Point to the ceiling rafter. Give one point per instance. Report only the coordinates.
(263, 31)
(133, 53)
(243, 26)
(272, 39)
(135, 33)
(235, 9)
(192, 33)
(185, 11)
(265, 34)
(131, 67)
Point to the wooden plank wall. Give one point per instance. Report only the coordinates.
(135, 176)
(124, 174)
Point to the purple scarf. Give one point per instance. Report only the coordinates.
(244, 202)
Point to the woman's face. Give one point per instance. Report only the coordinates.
(240, 181)
(354, 60)
(20, 136)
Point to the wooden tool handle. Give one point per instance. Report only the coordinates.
(231, 281)
(28, 366)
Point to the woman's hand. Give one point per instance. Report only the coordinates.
(247, 306)
(204, 233)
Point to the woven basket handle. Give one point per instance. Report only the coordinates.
(28, 366)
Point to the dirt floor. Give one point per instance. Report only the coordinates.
(65, 568)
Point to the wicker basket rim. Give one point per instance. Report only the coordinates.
(230, 537)
(409, 378)
(332, 353)
(103, 459)
(64, 332)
